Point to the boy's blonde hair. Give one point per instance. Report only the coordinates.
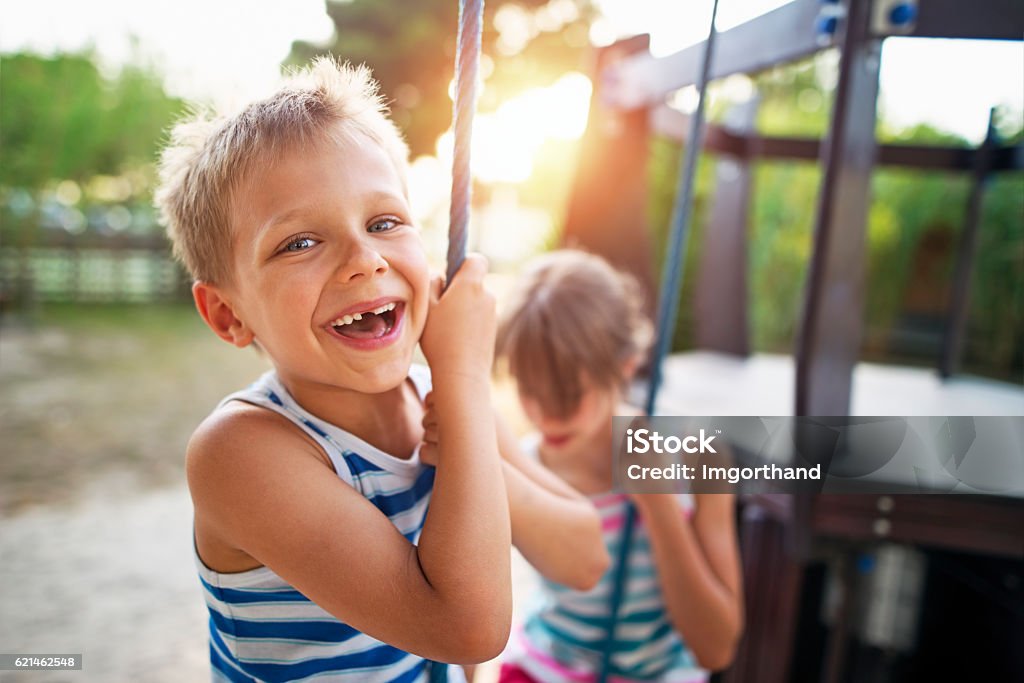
(209, 156)
(572, 319)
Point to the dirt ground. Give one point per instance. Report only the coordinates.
(108, 576)
(90, 391)
(95, 533)
(95, 520)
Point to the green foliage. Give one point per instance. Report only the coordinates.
(997, 301)
(63, 119)
(909, 210)
(782, 218)
(795, 99)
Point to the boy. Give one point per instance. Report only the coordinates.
(314, 543)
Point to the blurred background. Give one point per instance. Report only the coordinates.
(105, 368)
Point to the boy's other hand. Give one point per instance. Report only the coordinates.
(430, 446)
(459, 335)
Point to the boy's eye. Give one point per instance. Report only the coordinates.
(299, 244)
(383, 224)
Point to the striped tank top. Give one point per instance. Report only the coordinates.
(562, 637)
(261, 628)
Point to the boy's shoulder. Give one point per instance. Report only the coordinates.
(238, 436)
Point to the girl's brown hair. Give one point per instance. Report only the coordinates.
(572, 321)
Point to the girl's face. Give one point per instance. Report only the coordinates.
(586, 428)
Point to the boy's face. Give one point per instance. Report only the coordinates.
(330, 275)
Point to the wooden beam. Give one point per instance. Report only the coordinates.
(782, 35)
(977, 19)
(720, 322)
(721, 139)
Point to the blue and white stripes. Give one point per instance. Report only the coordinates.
(561, 640)
(261, 628)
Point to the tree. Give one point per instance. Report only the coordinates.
(413, 57)
(63, 119)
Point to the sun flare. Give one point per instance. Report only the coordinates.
(506, 142)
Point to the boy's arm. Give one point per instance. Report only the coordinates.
(464, 549)
(556, 529)
(260, 487)
(698, 570)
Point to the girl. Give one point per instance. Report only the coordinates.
(573, 338)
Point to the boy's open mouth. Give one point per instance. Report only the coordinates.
(371, 324)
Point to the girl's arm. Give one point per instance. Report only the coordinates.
(556, 529)
(699, 572)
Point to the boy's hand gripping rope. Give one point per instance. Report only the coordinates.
(467, 63)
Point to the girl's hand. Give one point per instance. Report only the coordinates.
(642, 492)
(458, 338)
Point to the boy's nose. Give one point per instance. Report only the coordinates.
(361, 261)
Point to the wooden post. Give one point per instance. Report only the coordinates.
(721, 289)
(771, 579)
(607, 209)
(829, 339)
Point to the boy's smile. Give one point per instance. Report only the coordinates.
(369, 325)
(330, 276)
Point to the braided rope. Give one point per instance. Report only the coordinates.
(467, 62)
(668, 305)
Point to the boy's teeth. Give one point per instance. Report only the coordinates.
(384, 309)
(348, 319)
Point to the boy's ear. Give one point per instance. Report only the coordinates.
(219, 314)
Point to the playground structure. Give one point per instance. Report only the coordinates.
(808, 560)
(610, 188)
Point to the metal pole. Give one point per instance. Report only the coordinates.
(956, 327)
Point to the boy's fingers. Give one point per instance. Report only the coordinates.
(476, 260)
(428, 454)
(436, 287)
(430, 434)
(474, 267)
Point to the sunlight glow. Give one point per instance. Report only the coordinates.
(506, 142)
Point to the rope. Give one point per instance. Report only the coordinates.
(467, 62)
(668, 305)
